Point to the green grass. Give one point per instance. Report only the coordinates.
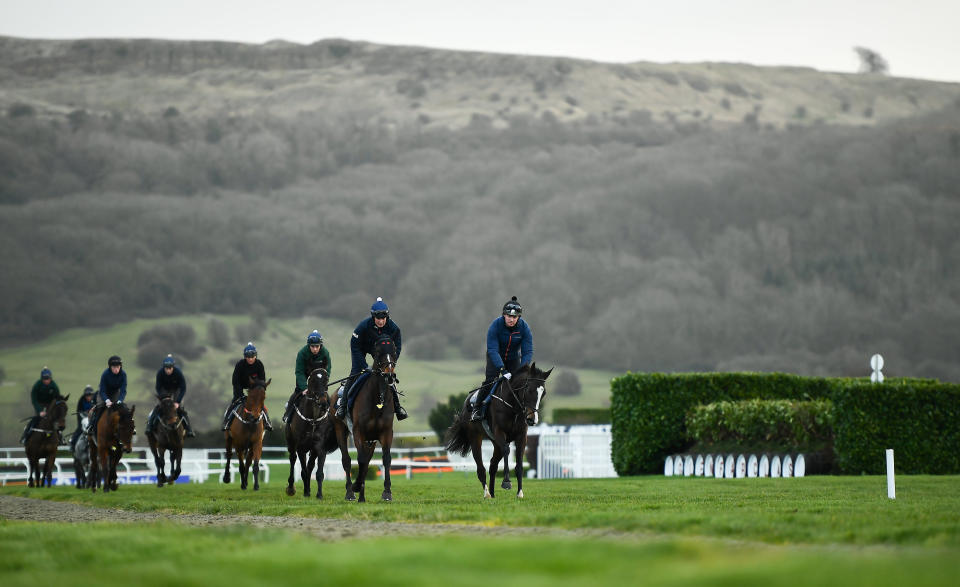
(78, 357)
(816, 530)
(811, 510)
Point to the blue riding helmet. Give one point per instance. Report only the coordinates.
(379, 309)
(168, 361)
(249, 350)
(314, 338)
(44, 373)
(512, 308)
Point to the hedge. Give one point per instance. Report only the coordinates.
(918, 418)
(784, 424)
(920, 422)
(574, 416)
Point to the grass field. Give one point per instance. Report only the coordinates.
(78, 357)
(815, 530)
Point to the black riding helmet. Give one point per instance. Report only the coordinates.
(114, 360)
(512, 308)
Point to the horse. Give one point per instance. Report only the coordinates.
(514, 406)
(246, 434)
(310, 432)
(44, 440)
(167, 436)
(372, 420)
(112, 437)
(81, 456)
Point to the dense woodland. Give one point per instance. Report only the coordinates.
(633, 242)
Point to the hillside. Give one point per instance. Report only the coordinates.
(649, 217)
(409, 85)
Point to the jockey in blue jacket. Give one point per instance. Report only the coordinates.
(509, 347)
(170, 377)
(113, 388)
(362, 342)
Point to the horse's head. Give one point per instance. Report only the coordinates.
(385, 356)
(165, 409)
(126, 427)
(57, 412)
(256, 396)
(530, 385)
(317, 387)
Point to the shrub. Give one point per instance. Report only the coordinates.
(574, 416)
(567, 383)
(762, 423)
(443, 414)
(156, 343)
(218, 334)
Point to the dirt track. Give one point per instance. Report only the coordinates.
(21, 508)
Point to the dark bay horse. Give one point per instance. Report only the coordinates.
(167, 436)
(514, 406)
(310, 432)
(372, 420)
(44, 440)
(245, 434)
(112, 437)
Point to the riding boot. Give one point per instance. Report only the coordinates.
(341, 404)
(186, 424)
(266, 420)
(151, 422)
(228, 416)
(397, 408)
(477, 413)
(288, 409)
(26, 432)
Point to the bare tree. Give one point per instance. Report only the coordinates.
(871, 61)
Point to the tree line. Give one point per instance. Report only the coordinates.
(633, 244)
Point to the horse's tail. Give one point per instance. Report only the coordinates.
(456, 439)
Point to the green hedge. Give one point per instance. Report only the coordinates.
(574, 416)
(919, 421)
(916, 417)
(758, 423)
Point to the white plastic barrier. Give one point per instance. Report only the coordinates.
(579, 452)
(735, 465)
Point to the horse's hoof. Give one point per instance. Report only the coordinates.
(320, 496)
(520, 494)
(30, 483)
(387, 496)
(350, 497)
(290, 490)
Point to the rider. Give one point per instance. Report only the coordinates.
(44, 391)
(247, 367)
(365, 335)
(509, 347)
(113, 388)
(312, 356)
(170, 377)
(86, 403)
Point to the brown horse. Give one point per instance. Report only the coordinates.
(310, 432)
(246, 434)
(371, 419)
(112, 437)
(167, 436)
(514, 406)
(44, 440)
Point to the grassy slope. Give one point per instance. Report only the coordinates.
(78, 357)
(816, 530)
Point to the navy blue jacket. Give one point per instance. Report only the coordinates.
(510, 346)
(83, 406)
(365, 335)
(113, 387)
(174, 380)
(242, 373)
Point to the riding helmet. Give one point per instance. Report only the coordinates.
(168, 361)
(249, 350)
(44, 373)
(88, 390)
(314, 338)
(379, 309)
(512, 308)
(114, 360)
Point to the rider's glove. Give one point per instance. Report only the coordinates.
(507, 375)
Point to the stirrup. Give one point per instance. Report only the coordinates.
(341, 412)
(401, 414)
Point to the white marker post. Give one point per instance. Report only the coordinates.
(891, 486)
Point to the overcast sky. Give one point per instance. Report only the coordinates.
(919, 38)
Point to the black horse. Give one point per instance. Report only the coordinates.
(43, 441)
(167, 436)
(372, 420)
(514, 406)
(310, 432)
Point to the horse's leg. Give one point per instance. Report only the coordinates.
(311, 459)
(176, 458)
(104, 458)
(341, 432)
(93, 475)
(386, 440)
(520, 445)
(364, 455)
(48, 467)
(158, 461)
(321, 460)
(243, 460)
(257, 450)
(229, 449)
(494, 465)
(292, 456)
(32, 465)
(506, 466)
(476, 448)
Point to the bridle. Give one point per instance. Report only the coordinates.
(521, 408)
(179, 420)
(51, 418)
(316, 398)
